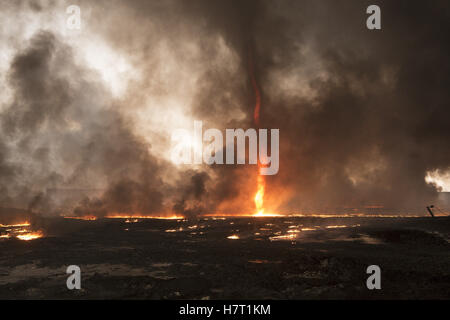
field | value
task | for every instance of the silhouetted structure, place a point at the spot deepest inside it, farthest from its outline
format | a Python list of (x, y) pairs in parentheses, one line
[(430, 211)]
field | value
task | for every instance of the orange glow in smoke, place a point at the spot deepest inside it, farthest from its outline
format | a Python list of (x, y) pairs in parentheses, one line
[(257, 107)]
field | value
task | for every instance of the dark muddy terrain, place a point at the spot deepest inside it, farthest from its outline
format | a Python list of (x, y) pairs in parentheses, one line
[(232, 258)]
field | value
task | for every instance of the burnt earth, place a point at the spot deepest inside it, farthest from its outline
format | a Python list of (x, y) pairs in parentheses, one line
[(273, 258)]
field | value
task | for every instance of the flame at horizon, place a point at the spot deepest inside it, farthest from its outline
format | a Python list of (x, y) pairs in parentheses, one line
[(30, 236), (21, 231)]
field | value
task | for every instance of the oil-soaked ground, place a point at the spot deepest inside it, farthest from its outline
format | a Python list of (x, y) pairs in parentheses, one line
[(239, 258)]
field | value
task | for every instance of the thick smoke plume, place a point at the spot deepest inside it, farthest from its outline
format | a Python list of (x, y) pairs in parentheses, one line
[(363, 115)]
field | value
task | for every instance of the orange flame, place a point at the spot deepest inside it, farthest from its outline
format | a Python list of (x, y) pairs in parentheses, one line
[(140, 216), (23, 224), (259, 197), (30, 236), (88, 218)]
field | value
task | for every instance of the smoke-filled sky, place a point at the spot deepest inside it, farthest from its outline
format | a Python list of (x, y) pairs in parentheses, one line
[(86, 115)]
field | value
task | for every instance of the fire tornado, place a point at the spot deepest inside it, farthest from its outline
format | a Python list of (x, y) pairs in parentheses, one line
[(259, 196)]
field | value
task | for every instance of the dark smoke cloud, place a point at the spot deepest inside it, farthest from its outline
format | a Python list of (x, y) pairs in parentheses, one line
[(59, 119), (362, 114), (378, 115), (375, 124)]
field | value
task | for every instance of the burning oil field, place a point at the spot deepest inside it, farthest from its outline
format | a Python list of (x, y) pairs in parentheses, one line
[(230, 258), (212, 149)]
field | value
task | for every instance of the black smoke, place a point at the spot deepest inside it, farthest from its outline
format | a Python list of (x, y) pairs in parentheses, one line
[(362, 114)]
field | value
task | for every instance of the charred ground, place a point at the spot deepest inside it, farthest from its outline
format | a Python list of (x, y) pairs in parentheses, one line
[(273, 258)]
